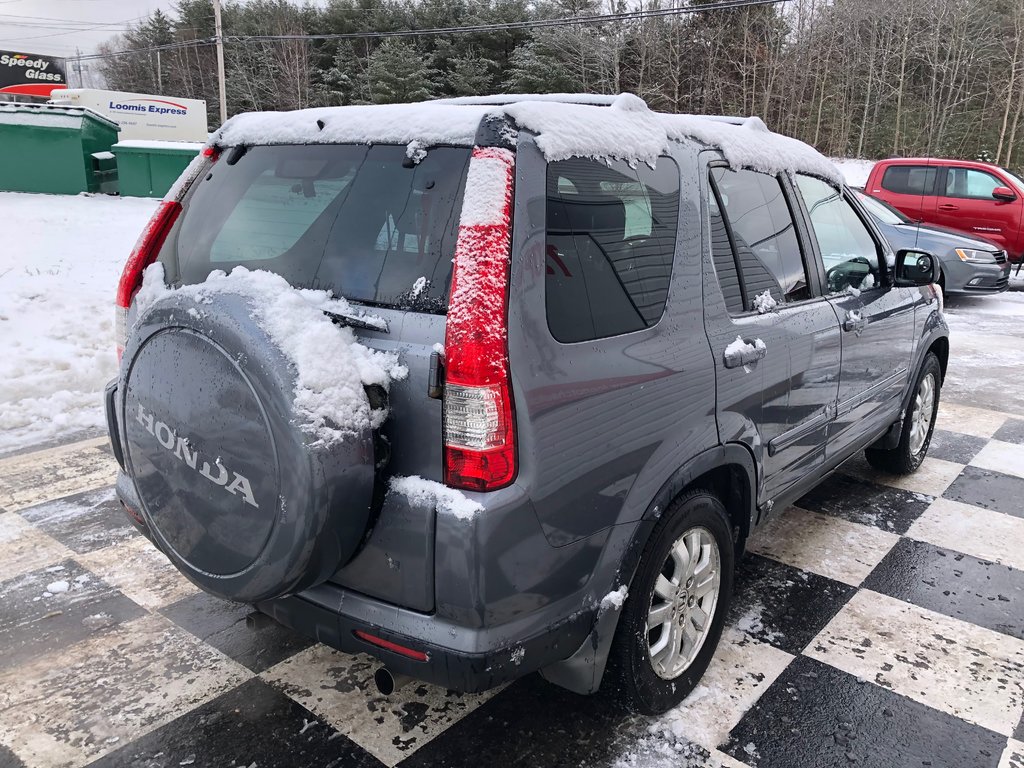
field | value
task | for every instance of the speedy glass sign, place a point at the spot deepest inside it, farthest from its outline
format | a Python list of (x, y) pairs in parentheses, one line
[(30, 74)]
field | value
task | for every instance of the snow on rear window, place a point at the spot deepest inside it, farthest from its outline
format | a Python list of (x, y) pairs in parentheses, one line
[(331, 366)]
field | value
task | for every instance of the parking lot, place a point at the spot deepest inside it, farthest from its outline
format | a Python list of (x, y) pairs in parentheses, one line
[(879, 622)]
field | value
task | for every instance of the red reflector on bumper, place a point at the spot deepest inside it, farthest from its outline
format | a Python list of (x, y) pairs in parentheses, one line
[(380, 642)]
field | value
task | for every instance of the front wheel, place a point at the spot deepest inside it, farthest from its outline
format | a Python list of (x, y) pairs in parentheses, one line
[(673, 617), (918, 424)]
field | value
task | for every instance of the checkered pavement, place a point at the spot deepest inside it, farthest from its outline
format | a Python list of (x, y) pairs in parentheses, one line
[(880, 622)]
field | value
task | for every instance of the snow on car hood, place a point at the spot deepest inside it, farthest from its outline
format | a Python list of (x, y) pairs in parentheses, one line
[(620, 127), (331, 366)]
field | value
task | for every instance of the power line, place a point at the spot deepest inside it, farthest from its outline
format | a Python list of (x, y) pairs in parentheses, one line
[(565, 21)]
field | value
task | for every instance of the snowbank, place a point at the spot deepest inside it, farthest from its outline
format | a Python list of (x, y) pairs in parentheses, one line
[(59, 268), (331, 366), (855, 171)]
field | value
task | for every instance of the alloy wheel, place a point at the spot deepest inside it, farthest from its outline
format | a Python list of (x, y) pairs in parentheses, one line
[(684, 601)]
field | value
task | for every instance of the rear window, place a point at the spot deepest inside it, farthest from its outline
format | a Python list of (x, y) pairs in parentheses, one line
[(910, 179), (361, 221)]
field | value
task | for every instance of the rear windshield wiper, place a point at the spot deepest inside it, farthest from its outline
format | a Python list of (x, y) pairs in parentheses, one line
[(366, 322)]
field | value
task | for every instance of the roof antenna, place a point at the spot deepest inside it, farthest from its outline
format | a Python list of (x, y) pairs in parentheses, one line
[(320, 124)]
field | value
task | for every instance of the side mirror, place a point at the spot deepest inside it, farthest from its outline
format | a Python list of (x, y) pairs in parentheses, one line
[(1004, 193), (914, 268)]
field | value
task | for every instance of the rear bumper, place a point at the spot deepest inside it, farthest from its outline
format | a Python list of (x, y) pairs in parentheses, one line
[(466, 659), (481, 661)]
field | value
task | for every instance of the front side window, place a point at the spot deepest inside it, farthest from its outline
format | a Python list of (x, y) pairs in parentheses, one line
[(611, 233), (910, 179), (763, 235), (846, 245), (970, 183)]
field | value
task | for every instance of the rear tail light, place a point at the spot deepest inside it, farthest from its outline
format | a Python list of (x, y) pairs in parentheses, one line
[(148, 246), (146, 249), (479, 422)]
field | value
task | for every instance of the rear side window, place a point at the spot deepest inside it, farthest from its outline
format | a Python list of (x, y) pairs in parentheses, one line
[(764, 239), (361, 221), (970, 183), (611, 233), (910, 179)]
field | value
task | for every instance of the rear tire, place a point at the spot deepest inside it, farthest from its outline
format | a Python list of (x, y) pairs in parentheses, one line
[(918, 424), (672, 619)]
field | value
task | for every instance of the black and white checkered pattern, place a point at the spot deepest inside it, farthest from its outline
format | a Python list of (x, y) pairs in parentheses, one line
[(879, 622)]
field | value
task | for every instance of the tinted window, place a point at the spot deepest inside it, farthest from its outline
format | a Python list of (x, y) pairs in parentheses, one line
[(610, 241), (352, 219), (763, 235), (967, 182), (725, 260), (910, 179), (847, 247)]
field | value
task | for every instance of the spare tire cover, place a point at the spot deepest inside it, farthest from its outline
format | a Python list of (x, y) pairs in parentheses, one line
[(243, 502)]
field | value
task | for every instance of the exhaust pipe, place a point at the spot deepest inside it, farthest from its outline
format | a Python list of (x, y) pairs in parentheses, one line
[(388, 682)]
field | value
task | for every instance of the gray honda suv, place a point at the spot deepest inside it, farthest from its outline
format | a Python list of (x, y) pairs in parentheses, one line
[(500, 385)]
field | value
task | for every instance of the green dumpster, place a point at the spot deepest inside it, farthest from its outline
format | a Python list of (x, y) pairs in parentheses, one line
[(45, 148), (149, 168)]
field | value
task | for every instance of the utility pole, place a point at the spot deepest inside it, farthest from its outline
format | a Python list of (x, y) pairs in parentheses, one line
[(220, 62), (159, 74)]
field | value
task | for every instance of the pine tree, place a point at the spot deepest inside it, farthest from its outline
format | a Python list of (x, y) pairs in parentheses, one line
[(398, 73), (346, 81)]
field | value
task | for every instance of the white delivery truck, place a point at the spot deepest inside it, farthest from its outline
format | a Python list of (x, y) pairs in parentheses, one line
[(142, 116)]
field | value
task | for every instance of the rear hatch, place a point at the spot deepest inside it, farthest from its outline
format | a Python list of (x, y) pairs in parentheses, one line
[(368, 223)]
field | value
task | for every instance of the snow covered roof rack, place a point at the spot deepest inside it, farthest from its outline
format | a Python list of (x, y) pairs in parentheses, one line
[(500, 99), (563, 126)]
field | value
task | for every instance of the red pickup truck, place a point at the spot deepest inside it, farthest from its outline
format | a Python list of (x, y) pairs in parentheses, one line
[(979, 199)]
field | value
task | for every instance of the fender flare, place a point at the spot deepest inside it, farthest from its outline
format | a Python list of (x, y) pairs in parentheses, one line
[(583, 671)]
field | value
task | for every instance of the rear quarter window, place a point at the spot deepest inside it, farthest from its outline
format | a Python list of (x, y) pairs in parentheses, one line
[(611, 234)]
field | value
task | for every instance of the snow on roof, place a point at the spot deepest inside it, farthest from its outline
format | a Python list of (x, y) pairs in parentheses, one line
[(381, 123), (596, 99), (565, 125), (48, 115)]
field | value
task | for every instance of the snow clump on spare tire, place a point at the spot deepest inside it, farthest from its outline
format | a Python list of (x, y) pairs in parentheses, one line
[(332, 369), (248, 430)]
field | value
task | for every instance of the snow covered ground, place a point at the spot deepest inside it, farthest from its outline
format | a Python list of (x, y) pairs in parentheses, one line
[(59, 266), (63, 257), (854, 170)]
